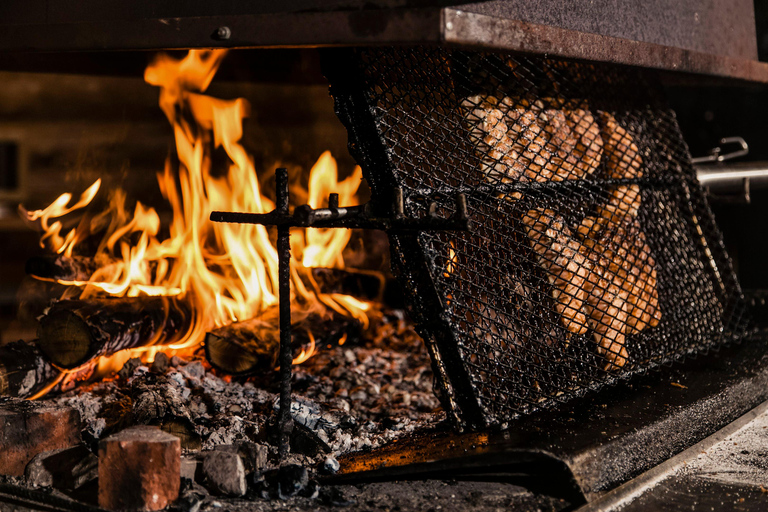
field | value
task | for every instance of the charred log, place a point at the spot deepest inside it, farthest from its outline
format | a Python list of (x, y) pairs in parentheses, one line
[(24, 370), (363, 284), (72, 332), (60, 267), (251, 346)]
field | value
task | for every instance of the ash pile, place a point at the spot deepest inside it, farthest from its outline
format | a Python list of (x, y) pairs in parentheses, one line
[(347, 398)]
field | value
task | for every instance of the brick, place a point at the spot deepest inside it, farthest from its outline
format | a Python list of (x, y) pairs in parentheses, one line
[(139, 469), (28, 428)]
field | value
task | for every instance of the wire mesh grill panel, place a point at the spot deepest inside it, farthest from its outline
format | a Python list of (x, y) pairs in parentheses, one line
[(593, 254)]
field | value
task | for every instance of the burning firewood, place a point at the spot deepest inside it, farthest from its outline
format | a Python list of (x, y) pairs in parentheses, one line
[(72, 332), (23, 370), (60, 267), (250, 346), (361, 284)]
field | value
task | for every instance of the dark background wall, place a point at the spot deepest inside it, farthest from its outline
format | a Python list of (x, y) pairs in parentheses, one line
[(706, 114)]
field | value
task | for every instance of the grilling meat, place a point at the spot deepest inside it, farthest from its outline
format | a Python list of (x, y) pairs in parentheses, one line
[(622, 156), (559, 253), (603, 277), (539, 141)]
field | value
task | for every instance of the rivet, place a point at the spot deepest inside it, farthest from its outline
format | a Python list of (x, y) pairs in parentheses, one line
[(223, 33)]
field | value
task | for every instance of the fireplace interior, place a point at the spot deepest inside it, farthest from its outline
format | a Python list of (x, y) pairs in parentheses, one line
[(507, 285)]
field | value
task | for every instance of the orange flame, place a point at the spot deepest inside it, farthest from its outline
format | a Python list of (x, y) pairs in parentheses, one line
[(228, 271)]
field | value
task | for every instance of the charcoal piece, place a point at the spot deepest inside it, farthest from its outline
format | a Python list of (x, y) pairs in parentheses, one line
[(253, 346), (307, 442), (67, 468), (72, 332), (190, 500), (161, 363), (24, 370), (285, 482), (129, 367), (223, 473)]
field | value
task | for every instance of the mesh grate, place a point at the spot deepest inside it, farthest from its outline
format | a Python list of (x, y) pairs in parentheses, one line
[(593, 254)]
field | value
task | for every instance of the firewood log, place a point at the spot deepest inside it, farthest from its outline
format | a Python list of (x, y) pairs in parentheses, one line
[(362, 284), (72, 332), (24, 370), (251, 346), (60, 267)]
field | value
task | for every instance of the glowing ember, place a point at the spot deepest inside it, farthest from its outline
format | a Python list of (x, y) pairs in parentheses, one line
[(227, 271)]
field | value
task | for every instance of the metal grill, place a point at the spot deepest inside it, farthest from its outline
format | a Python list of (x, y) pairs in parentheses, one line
[(593, 254)]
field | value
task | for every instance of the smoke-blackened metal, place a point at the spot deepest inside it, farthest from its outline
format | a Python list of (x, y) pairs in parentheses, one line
[(593, 254)]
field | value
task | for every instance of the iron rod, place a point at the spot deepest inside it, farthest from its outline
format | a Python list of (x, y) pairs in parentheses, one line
[(285, 421)]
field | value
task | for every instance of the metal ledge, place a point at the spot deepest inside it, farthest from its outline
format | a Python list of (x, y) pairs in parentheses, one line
[(380, 26), (479, 31), (596, 443)]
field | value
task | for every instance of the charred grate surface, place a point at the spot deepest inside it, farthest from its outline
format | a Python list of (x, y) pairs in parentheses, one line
[(593, 254)]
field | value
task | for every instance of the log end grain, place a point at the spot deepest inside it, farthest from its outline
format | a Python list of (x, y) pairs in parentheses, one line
[(65, 338)]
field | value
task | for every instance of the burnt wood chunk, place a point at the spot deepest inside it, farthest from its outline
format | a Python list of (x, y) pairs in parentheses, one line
[(24, 370), (363, 284), (139, 469), (251, 346), (67, 469), (60, 267), (72, 332), (29, 428)]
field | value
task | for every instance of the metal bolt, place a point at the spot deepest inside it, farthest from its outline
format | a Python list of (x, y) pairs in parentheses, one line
[(223, 33)]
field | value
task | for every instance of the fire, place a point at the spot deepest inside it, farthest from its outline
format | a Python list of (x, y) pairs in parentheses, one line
[(227, 271)]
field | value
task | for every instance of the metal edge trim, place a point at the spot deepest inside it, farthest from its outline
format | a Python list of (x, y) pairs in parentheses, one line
[(480, 31), (628, 492)]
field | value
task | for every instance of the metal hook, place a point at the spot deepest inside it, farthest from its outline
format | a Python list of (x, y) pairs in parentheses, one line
[(716, 154)]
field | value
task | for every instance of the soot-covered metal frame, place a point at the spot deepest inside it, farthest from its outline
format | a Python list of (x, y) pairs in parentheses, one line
[(482, 302), (707, 37)]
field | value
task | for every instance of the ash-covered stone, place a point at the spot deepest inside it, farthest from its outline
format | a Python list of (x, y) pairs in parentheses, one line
[(254, 455), (223, 473), (189, 467)]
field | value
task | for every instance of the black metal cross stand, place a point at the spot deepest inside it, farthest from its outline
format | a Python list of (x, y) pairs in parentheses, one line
[(362, 217)]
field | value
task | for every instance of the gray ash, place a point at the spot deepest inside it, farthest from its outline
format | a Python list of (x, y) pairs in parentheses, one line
[(353, 397)]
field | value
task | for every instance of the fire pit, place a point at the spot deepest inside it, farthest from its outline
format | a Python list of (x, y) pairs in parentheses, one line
[(548, 235)]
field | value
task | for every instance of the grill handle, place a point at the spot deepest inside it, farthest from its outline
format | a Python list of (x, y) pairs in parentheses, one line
[(733, 181)]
